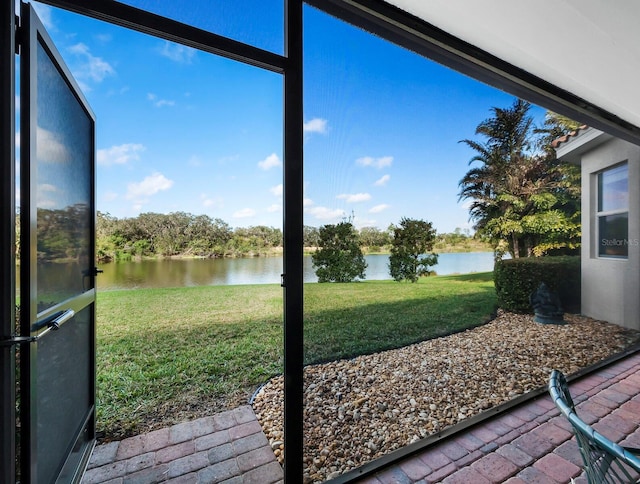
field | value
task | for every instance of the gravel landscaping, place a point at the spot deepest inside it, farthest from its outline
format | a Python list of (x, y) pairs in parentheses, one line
[(360, 409)]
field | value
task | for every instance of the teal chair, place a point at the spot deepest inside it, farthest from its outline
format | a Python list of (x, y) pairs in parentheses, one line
[(604, 460)]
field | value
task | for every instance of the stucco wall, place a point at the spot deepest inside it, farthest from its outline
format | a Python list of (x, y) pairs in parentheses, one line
[(611, 287)]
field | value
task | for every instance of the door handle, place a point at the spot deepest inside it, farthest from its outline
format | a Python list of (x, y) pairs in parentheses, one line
[(92, 272)]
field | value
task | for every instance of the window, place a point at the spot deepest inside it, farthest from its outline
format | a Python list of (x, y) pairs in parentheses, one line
[(613, 212)]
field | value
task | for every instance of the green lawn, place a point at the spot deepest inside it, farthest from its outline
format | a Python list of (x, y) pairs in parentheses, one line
[(170, 354)]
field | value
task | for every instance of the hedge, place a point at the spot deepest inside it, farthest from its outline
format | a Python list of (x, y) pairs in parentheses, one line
[(516, 279)]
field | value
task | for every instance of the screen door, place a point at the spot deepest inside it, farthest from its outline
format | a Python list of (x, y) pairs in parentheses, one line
[(57, 290)]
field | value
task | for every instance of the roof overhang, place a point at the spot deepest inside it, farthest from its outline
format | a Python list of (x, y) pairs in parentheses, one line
[(588, 47), (579, 143), (580, 58)]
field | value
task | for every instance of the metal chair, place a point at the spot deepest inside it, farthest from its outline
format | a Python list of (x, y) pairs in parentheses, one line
[(604, 460)]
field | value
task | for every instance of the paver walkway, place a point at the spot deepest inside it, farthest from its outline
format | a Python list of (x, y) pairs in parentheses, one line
[(228, 447), (531, 443)]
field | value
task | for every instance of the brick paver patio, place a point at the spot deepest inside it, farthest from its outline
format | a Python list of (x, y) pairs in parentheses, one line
[(531, 443), (227, 447)]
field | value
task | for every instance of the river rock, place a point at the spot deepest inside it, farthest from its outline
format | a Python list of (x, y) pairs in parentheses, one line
[(454, 377)]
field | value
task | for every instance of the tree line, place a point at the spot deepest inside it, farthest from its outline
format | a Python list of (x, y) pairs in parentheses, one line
[(62, 237), (179, 233), (185, 234)]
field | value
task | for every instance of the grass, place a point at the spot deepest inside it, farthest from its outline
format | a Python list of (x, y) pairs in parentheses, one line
[(166, 355), (346, 320)]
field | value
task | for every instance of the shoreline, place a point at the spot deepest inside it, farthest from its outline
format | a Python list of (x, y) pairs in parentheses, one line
[(275, 252)]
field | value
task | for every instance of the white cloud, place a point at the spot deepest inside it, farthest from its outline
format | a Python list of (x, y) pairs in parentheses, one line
[(49, 148), (120, 154), (93, 68), (315, 125), (354, 197), (270, 161), (360, 223), (379, 208), (159, 102), (177, 52), (47, 195), (104, 38), (209, 202), (149, 186), (276, 207), (277, 190), (375, 162), (382, 181), (47, 187), (117, 92), (324, 213), (46, 202), (244, 213), (307, 202)]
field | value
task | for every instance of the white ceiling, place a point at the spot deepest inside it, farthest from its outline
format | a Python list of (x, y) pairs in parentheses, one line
[(590, 48)]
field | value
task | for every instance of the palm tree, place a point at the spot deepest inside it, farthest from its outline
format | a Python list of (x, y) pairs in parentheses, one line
[(518, 192)]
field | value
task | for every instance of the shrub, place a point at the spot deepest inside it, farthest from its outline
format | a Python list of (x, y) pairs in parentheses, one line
[(339, 257), (516, 279), (409, 260)]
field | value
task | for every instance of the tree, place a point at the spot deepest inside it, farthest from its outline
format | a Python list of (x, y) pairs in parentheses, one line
[(411, 242), (310, 236), (373, 238), (106, 243), (151, 234), (339, 258), (207, 237), (255, 239), (522, 196)]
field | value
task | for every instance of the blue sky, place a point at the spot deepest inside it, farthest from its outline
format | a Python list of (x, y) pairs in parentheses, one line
[(181, 130)]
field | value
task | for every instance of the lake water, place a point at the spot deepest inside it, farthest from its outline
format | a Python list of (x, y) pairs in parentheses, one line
[(257, 270)]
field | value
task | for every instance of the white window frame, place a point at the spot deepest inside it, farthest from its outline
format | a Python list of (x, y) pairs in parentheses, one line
[(603, 213)]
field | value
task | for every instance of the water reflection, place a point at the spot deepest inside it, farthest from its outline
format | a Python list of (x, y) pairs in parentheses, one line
[(260, 270), (63, 194)]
